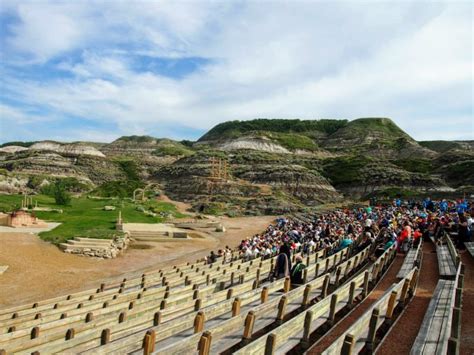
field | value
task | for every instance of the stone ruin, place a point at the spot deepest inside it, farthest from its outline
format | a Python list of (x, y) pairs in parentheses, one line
[(20, 218), (98, 248)]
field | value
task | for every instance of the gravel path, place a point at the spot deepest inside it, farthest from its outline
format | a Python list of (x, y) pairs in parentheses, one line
[(403, 334), (467, 316), (388, 279)]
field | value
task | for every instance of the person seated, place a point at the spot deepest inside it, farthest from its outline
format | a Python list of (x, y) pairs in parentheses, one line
[(296, 273)]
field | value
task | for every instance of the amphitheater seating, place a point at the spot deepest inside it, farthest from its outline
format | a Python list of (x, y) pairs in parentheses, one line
[(448, 259), (297, 331), (362, 334), (240, 329), (470, 248), (131, 305), (440, 330), (186, 327), (411, 260)]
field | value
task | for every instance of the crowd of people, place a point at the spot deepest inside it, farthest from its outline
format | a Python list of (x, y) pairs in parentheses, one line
[(402, 223)]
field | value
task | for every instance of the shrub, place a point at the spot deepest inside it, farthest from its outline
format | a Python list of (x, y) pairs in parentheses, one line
[(61, 196)]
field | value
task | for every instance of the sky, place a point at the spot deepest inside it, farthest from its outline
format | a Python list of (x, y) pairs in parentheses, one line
[(97, 70)]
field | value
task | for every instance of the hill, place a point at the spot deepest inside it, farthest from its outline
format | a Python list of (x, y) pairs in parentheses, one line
[(252, 167)]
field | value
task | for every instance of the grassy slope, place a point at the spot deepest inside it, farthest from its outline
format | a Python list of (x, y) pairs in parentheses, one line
[(86, 217), (235, 129)]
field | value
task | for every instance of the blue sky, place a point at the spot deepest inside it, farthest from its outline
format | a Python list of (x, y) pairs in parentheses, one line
[(96, 70)]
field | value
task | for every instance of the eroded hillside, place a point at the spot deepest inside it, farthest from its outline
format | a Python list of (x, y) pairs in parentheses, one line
[(257, 166)]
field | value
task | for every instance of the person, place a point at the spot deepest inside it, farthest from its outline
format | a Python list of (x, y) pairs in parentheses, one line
[(462, 232), (282, 265), (296, 273), (211, 258)]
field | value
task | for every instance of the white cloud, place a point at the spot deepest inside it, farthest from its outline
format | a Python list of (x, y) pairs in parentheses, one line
[(408, 61)]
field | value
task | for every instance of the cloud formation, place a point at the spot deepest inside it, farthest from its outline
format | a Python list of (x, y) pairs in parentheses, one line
[(97, 70)]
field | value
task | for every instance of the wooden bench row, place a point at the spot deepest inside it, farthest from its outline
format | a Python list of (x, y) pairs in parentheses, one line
[(441, 328), (235, 331), (411, 260), (141, 316), (297, 331), (361, 335), (448, 259)]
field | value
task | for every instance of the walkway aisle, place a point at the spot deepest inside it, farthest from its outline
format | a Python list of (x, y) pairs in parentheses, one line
[(403, 334), (388, 279), (467, 316)]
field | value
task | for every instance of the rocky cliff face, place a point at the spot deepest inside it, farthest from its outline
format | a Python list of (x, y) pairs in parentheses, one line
[(272, 166)]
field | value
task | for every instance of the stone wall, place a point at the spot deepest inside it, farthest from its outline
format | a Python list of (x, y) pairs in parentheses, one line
[(98, 248)]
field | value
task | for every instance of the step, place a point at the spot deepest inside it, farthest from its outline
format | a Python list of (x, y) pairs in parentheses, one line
[(93, 240)]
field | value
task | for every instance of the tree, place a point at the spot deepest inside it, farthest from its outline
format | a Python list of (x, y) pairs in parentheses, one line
[(61, 196)]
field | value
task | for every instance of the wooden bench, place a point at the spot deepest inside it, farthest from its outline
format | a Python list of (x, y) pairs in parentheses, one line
[(440, 330), (411, 260), (297, 331), (470, 248), (362, 333), (235, 330), (140, 317), (448, 259)]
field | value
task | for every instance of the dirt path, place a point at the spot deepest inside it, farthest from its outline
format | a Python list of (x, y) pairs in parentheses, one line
[(403, 334), (39, 270), (467, 316), (388, 279)]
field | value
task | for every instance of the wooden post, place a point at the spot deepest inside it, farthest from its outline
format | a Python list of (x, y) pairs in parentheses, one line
[(306, 296), (157, 318), (249, 323), (195, 294), (350, 300), (241, 278), (236, 307), (453, 346), (287, 285), (324, 289), (348, 345), (163, 304), (281, 309), (372, 329), (456, 324), (458, 298), (365, 288), (305, 276), (204, 345), (264, 295), (230, 292), (338, 275), (332, 309), (308, 319), (316, 270), (327, 265), (35, 332), (198, 304), (404, 293), (122, 317), (149, 342), (105, 336), (391, 305), (270, 344), (89, 317), (70, 334), (199, 322)]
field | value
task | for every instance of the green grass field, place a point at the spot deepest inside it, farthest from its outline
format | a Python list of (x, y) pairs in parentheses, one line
[(86, 217)]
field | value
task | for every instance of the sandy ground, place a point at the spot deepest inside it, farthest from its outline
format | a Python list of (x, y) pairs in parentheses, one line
[(39, 270)]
